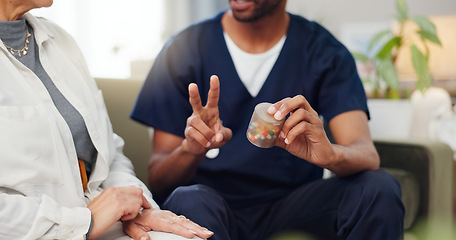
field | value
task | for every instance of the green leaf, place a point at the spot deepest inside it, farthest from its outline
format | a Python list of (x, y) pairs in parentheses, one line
[(402, 10), (377, 37), (420, 64), (392, 93), (429, 36), (387, 71), (425, 24), (406, 93), (360, 57), (385, 52), (367, 80)]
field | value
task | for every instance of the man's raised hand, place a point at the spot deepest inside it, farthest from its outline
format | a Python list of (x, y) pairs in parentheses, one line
[(204, 128)]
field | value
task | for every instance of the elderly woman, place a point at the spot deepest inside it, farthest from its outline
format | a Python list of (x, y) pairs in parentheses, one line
[(63, 174)]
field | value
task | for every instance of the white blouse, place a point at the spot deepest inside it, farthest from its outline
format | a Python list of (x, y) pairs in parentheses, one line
[(41, 194)]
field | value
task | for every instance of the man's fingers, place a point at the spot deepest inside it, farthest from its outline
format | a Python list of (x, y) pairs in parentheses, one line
[(300, 101), (198, 130), (194, 135), (299, 116), (212, 97), (289, 105), (276, 106), (194, 98), (299, 129), (214, 92), (224, 135)]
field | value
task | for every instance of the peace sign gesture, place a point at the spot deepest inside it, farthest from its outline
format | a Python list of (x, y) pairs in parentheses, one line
[(204, 128)]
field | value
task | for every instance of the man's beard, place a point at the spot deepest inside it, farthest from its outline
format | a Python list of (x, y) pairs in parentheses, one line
[(264, 9)]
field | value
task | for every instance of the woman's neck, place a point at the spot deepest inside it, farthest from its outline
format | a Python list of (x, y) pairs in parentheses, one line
[(10, 11)]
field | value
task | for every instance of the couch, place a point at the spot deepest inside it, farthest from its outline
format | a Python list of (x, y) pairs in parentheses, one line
[(423, 168), (120, 97)]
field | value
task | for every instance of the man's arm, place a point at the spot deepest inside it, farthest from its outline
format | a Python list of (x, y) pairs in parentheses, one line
[(170, 166), (357, 151)]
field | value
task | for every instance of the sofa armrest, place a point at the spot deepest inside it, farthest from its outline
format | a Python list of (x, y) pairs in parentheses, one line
[(430, 165), (120, 97)]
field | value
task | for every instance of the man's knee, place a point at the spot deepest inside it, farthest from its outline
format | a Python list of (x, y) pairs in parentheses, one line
[(191, 197), (379, 183), (204, 206), (379, 190), (372, 205)]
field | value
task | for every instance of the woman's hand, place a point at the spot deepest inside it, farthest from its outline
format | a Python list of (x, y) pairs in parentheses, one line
[(163, 221), (204, 128), (114, 204)]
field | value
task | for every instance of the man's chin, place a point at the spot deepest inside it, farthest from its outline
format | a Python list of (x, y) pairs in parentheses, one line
[(245, 18)]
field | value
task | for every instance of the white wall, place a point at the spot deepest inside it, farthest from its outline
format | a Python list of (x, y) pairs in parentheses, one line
[(181, 13), (113, 33), (334, 14), (341, 17)]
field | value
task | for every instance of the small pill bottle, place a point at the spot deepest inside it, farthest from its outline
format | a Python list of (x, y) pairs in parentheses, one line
[(263, 127)]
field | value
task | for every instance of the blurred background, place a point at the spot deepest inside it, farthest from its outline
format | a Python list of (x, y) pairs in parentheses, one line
[(121, 38)]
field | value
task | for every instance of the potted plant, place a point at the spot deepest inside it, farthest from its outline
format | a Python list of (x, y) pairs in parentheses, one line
[(379, 61), (418, 115)]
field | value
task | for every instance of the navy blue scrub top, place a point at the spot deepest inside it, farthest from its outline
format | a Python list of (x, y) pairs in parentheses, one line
[(312, 63)]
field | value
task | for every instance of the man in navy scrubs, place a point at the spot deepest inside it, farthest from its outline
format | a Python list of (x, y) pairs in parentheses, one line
[(204, 167)]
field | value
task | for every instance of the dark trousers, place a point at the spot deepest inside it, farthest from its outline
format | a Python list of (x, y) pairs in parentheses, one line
[(364, 206)]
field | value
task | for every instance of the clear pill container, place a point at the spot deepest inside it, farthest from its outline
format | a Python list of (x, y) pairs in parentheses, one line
[(263, 128)]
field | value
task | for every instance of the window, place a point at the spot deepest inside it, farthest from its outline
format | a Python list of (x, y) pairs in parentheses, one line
[(111, 33)]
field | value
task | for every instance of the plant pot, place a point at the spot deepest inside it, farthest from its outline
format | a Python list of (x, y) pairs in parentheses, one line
[(428, 109), (390, 118)]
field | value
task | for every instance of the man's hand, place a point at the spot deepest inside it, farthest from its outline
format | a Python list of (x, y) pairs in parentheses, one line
[(114, 204), (163, 221), (303, 134), (204, 128)]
